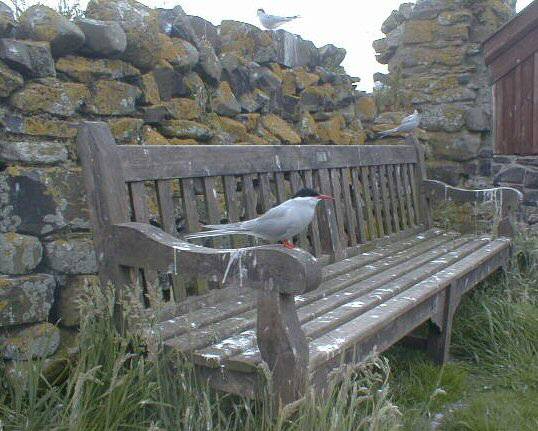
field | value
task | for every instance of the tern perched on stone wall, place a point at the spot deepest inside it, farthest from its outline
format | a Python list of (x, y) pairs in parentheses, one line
[(270, 22), (409, 124)]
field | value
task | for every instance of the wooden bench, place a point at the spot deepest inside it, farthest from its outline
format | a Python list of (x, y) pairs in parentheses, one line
[(374, 269)]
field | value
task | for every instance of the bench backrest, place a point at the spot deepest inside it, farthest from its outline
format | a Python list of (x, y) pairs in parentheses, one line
[(181, 187)]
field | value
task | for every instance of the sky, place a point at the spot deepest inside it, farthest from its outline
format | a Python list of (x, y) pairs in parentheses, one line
[(350, 24)]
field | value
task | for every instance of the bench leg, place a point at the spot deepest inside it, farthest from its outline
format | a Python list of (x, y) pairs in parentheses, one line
[(438, 342), (282, 345)]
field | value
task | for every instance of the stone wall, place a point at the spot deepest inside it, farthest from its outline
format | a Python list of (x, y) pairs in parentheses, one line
[(157, 77), (433, 52)]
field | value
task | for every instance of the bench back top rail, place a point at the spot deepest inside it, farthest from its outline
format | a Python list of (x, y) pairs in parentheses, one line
[(179, 188)]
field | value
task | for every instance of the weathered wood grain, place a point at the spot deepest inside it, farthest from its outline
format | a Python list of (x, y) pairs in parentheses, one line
[(184, 161)]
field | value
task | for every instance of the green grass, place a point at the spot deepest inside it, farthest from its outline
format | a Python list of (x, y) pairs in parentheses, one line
[(492, 381), (114, 383)]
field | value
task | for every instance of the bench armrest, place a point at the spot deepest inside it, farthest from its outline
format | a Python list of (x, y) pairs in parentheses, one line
[(142, 245), (507, 199)]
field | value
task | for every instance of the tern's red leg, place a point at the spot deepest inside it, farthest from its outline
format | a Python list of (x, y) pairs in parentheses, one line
[(288, 244)]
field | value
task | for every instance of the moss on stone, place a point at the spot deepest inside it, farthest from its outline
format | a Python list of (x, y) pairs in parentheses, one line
[(289, 85), (250, 120), (184, 109), (151, 137), (51, 96), (366, 108), (176, 141), (86, 70), (126, 130), (420, 31), (10, 80), (304, 78), (112, 98), (185, 129), (149, 88), (281, 129), (233, 127), (38, 126)]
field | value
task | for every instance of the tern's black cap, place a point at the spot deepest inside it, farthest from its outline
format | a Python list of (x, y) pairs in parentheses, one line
[(304, 193)]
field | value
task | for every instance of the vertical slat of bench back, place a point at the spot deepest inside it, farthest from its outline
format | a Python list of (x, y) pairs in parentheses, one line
[(107, 198), (313, 230), (165, 199), (424, 213)]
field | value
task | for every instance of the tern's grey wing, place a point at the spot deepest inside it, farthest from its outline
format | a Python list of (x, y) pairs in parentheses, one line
[(273, 224), (409, 123)]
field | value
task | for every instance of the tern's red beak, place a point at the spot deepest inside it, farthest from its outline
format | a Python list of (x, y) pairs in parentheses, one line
[(325, 198)]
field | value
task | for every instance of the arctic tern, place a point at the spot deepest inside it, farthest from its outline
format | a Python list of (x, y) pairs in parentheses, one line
[(408, 124), (280, 223), (270, 22)]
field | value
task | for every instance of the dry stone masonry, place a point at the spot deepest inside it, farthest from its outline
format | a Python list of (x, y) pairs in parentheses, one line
[(158, 77), (433, 52)]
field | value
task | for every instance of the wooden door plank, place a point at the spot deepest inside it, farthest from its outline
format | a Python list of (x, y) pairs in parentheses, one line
[(534, 136)]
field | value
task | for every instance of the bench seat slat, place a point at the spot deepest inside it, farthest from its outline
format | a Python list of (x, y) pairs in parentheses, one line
[(380, 312), (334, 310), (331, 294), (207, 314), (369, 323)]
